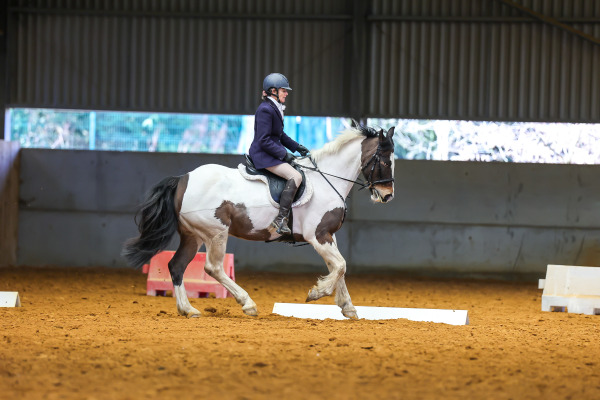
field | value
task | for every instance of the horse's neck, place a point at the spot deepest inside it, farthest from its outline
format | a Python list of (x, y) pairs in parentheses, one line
[(345, 164)]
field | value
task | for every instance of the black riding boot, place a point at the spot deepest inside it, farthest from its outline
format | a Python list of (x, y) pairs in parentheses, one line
[(280, 223)]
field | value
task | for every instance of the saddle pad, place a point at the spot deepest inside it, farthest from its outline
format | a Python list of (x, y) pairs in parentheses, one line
[(302, 199)]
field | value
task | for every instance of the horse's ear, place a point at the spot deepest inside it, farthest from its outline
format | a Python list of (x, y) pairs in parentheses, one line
[(354, 124), (381, 138), (390, 132)]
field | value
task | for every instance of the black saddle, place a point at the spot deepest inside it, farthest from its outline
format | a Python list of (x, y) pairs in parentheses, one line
[(276, 183)]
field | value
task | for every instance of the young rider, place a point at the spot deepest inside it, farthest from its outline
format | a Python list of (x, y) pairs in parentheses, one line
[(268, 149)]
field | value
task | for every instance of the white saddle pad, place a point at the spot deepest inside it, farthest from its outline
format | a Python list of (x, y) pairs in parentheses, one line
[(306, 196)]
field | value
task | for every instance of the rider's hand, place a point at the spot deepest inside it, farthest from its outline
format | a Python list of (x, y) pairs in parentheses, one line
[(302, 150), (289, 157)]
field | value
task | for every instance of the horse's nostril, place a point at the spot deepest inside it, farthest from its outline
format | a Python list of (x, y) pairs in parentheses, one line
[(388, 197)]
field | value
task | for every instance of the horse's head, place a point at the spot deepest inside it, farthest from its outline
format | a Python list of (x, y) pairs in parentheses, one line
[(377, 165)]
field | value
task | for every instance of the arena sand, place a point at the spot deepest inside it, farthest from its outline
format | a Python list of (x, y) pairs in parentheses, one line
[(94, 334)]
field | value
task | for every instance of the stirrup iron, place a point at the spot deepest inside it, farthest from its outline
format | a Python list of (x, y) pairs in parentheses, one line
[(281, 226)]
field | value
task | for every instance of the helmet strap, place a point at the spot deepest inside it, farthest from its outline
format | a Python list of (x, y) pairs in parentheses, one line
[(276, 94)]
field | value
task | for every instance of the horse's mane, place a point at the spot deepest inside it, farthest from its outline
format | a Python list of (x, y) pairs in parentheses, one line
[(342, 139)]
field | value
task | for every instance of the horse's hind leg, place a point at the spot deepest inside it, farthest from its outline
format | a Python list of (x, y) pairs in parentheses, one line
[(188, 247), (215, 249), (335, 280)]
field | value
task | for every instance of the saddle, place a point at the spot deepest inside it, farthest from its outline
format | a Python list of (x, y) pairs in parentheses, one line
[(275, 183)]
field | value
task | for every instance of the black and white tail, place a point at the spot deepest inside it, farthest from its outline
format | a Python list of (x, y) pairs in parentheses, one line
[(157, 223)]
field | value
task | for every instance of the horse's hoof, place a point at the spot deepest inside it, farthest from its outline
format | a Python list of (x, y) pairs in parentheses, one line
[(313, 294), (188, 313), (251, 311), (350, 313), (193, 313)]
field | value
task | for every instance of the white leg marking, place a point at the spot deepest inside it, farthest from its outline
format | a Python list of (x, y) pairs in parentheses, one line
[(335, 280), (343, 300), (215, 249), (183, 304), (336, 266)]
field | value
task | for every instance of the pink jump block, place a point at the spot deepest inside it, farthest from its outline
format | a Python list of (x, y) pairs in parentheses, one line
[(197, 282)]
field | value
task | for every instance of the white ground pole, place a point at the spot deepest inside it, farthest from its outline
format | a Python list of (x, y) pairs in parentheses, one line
[(324, 311), (571, 288), (10, 299)]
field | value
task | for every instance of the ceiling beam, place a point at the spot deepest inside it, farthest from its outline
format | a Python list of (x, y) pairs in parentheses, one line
[(551, 21)]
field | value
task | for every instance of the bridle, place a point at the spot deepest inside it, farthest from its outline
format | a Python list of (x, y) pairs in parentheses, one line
[(376, 161), (368, 183)]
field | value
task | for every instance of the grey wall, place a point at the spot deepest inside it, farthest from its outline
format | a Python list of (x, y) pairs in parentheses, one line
[(9, 201), (447, 217), (3, 62), (483, 217), (482, 60)]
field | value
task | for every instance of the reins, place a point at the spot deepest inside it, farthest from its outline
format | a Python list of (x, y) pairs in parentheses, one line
[(363, 185), (316, 169), (375, 158)]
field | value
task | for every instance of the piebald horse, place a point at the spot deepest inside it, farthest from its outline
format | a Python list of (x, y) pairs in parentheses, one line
[(212, 202)]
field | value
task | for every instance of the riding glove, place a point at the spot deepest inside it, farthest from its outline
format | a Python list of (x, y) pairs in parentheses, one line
[(302, 150), (289, 157)]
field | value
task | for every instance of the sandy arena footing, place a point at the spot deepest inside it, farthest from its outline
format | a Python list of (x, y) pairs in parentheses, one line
[(94, 334)]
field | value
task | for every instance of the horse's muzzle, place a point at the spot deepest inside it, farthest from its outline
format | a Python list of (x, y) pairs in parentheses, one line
[(382, 195)]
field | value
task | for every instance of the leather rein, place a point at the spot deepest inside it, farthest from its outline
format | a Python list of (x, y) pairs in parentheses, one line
[(369, 183)]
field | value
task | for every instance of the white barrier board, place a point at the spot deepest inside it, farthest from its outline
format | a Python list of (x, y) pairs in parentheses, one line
[(10, 299), (324, 311), (572, 289)]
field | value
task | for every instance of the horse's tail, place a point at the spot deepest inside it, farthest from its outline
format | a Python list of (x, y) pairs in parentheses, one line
[(157, 224)]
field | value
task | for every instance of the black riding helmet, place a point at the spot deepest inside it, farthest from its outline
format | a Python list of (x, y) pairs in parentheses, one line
[(277, 81)]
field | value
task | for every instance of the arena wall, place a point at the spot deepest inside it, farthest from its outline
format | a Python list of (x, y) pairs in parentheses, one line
[(453, 218), (9, 201)]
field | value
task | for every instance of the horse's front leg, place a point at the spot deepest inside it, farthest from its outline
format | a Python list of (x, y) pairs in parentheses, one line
[(215, 254), (327, 248), (342, 299)]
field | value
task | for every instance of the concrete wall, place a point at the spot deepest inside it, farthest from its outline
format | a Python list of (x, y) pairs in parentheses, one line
[(447, 217), (9, 201), (483, 217)]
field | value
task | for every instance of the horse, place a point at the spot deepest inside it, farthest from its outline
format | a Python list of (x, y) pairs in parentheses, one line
[(213, 202)]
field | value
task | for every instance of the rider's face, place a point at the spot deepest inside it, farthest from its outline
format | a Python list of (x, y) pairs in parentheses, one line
[(282, 95)]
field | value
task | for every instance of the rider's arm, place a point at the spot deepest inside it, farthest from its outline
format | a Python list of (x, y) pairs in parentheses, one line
[(289, 142)]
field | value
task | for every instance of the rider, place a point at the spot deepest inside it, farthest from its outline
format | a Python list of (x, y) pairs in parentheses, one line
[(267, 149)]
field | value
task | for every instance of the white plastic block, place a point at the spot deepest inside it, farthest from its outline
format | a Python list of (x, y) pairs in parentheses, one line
[(10, 299), (572, 289), (323, 311), (541, 283)]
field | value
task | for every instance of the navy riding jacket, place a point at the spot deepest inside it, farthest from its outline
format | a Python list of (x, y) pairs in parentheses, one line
[(267, 149)]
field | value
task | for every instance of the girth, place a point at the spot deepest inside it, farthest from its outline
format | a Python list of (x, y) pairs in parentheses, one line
[(276, 183)]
